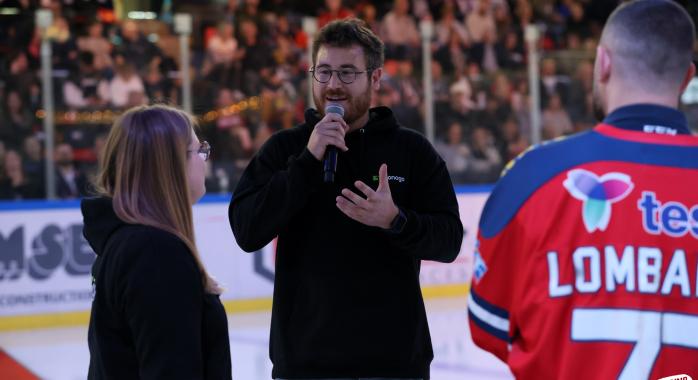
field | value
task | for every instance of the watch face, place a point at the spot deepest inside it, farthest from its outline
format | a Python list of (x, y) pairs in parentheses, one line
[(398, 223)]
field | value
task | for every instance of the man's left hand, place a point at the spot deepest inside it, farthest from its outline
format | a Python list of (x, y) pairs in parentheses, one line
[(377, 209)]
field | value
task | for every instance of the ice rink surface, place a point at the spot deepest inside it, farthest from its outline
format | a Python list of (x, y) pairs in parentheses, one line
[(62, 354)]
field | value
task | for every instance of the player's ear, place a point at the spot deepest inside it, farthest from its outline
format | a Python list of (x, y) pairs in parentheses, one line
[(603, 64), (690, 73)]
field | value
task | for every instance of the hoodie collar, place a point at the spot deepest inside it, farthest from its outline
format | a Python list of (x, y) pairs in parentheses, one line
[(100, 222)]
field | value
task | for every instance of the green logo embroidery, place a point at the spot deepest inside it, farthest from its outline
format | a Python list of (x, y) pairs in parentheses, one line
[(393, 178)]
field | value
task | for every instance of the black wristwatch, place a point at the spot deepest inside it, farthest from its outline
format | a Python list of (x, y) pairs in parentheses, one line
[(398, 223)]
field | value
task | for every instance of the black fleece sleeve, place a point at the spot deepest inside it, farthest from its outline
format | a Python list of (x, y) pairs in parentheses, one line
[(273, 188), (162, 299), (433, 230)]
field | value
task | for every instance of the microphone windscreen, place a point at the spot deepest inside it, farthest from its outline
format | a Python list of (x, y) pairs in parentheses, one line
[(334, 108)]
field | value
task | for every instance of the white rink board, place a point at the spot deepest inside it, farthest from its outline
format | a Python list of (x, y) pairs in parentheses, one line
[(45, 262)]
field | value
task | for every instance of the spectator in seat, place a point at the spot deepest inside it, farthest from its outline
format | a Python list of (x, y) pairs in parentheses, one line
[(555, 120), (453, 55), (249, 11), (481, 21), (580, 90), (552, 83), (369, 15), (119, 91), (441, 85), (64, 48), (455, 153), (512, 53), (223, 55), (485, 162), (487, 53), (95, 43), (135, 48), (333, 11), (257, 59), (15, 184), (399, 30), (232, 134), (70, 182), (460, 109), (447, 25), (407, 108), (515, 142), (222, 48), (33, 158), (17, 121), (18, 75), (80, 89)]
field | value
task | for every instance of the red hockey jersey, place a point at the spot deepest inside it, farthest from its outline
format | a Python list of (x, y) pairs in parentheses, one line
[(587, 259)]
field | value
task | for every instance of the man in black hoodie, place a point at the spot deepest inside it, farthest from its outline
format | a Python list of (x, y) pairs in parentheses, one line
[(347, 301)]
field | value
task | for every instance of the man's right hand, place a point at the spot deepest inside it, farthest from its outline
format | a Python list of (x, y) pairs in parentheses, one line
[(328, 131)]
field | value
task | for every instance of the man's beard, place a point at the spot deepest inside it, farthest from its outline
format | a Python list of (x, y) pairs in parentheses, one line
[(357, 107)]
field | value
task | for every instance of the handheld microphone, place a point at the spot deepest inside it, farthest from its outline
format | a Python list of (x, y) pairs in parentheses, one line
[(330, 162)]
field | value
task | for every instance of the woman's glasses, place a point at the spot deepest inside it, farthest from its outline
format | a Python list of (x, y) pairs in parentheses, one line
[(204, 150)]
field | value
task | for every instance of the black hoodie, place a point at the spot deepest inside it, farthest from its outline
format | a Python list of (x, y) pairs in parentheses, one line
[(151, 318), (347, 301)]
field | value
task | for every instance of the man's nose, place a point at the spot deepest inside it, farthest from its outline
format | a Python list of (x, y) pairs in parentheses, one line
[(334, 82)]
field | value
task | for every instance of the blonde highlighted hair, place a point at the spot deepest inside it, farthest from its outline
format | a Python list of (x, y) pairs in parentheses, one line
[(143, 170)]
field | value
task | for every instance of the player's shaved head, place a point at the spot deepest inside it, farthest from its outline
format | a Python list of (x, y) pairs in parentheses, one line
[(651, 43)]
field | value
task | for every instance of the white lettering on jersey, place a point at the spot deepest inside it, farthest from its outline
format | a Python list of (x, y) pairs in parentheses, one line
[(594, 283), (554, 287), (659, 129), (647, 332), (649, 268), (677, 274), (618, 272), (643, 275)]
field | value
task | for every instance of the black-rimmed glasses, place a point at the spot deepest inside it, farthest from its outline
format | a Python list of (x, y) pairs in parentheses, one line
[(347, 76), (204, 150)]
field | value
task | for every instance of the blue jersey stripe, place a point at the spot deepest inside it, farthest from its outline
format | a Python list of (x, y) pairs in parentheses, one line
[(487, 327), (496, 310), (540, 165)]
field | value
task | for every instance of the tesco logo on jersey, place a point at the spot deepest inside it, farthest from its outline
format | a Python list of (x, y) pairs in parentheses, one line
[(671, 218)]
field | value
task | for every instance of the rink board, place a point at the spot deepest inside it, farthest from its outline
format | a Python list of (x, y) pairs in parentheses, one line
[(45, 262)]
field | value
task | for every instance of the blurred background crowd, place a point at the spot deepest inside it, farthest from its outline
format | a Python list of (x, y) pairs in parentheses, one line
[(250, 77)]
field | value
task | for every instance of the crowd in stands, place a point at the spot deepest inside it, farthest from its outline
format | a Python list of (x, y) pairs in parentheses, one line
[(250, 78)]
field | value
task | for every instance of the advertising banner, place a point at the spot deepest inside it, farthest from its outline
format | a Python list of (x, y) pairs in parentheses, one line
[(45, 262)]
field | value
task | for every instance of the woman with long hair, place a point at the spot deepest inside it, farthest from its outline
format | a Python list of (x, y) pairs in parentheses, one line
[(156, 312)]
